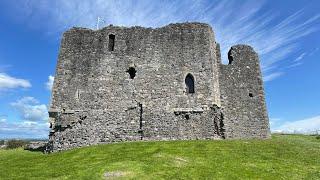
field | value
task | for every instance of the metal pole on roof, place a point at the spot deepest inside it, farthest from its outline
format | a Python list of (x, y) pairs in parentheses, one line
[(98, 21)]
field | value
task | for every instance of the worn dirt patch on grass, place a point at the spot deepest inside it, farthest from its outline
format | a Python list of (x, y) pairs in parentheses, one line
[(115, 174)]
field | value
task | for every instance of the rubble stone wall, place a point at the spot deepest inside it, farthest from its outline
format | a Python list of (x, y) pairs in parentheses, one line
[(242, 95), (128, 84), (95, 99)]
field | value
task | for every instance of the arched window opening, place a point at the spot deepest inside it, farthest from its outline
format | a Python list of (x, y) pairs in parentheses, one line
[(132, 72), (111, 42), (189, 83)]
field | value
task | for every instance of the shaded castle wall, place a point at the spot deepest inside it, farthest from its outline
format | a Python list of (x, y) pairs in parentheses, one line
[(242, 95), (94, 100)]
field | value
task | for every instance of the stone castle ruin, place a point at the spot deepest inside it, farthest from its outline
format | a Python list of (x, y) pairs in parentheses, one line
[(132, 84)]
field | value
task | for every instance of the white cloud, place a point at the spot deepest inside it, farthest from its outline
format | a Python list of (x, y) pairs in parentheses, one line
[(295, 65), (275, 38), (298, 60), (3, 120), (31, 110), (274, 121), (301, 56), (33, 122), (23, 129), (304, 126), (9, 82), (49, 83), (272, 76)]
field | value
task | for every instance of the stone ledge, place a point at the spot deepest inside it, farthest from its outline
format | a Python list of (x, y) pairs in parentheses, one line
[(188, 110)]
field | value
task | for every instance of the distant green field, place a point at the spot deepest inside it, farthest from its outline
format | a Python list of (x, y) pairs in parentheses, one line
[(282, 157)]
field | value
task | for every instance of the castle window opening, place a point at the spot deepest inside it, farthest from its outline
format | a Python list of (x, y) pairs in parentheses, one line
[(78, 94), (141, 123), (189, 83), (132, 72), (111, 42), (250, 94)]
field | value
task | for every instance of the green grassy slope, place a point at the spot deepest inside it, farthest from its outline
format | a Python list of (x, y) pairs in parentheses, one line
[(282, 157)]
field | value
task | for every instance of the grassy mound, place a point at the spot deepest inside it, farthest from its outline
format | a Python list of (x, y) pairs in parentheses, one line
[(282, 157)]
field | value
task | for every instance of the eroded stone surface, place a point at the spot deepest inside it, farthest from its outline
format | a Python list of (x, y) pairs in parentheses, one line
[(132, 86)]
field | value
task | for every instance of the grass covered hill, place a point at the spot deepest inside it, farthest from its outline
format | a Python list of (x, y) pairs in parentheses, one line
[(281, 157)]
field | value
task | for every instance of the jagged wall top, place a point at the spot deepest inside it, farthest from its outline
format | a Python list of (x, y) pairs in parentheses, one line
[(96, 99)]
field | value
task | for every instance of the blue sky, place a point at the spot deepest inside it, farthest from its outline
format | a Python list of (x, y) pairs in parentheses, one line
[(284, 33)]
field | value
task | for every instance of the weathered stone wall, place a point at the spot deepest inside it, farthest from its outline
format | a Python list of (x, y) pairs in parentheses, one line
[(94, 100), (242, 95)]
